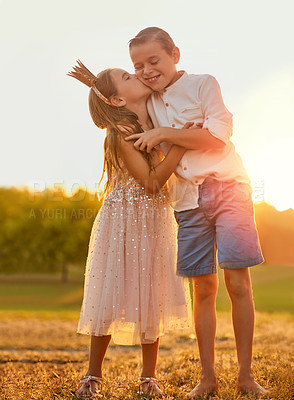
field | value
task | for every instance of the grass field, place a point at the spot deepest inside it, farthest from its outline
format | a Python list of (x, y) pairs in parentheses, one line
[(272, 286), (41, 356), (44, 359)]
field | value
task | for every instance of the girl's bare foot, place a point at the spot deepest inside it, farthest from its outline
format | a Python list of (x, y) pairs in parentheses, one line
[(205, 386), (90, 386), (247, 384)]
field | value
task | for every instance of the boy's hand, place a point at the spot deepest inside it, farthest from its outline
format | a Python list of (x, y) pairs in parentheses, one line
[(149, 139)]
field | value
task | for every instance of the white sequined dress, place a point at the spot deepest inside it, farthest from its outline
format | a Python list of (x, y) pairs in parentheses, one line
[(131, 290)]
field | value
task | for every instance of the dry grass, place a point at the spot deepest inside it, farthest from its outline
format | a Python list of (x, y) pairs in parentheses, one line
[(43, 358)]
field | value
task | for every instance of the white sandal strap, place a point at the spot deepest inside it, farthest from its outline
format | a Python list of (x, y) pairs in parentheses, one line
[(148, 380), (151, 382), (152, 386), (89, 379)]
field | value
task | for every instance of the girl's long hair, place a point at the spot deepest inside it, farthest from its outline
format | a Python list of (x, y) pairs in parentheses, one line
[(109, 117)]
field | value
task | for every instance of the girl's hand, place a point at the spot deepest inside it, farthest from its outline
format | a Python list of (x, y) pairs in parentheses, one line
[(149, 139), (146, 140), (190, 124)]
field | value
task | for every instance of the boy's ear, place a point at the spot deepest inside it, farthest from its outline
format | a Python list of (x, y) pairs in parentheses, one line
[(118, 101), (176, 55)]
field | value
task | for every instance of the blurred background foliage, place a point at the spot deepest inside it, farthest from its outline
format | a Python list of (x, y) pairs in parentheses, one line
[(44, 239), (47, 232)]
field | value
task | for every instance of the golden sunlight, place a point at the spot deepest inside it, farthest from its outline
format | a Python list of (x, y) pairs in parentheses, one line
[(264, 137), (275, 166)]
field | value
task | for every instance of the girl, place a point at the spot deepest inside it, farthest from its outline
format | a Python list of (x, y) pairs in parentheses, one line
[(131, 290)]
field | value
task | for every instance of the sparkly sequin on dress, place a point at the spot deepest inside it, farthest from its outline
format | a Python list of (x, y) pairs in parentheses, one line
[(131, 290)]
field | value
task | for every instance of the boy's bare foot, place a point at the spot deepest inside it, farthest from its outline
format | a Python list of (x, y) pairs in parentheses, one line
[(90, 387), (205, 386), (247, 384)]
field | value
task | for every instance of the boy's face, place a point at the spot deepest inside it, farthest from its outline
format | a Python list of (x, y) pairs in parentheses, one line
[(154, 66)]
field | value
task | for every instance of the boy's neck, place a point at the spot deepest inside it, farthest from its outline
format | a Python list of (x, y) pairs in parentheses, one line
[(176, 77)]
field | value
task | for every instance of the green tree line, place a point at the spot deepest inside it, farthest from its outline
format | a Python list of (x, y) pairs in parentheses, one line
[(45, 232)]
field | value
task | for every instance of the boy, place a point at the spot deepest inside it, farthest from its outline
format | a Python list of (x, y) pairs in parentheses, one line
[(211, 195)]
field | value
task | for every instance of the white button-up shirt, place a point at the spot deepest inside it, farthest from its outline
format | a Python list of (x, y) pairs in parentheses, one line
[(197, 98)]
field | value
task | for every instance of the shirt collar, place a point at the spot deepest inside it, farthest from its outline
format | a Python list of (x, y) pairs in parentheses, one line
[(177, 83)]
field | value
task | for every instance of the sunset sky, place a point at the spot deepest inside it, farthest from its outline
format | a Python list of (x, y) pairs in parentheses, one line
[(46, 129)]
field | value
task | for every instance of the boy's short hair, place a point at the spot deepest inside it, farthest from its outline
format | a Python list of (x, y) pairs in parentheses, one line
[(156, 34)]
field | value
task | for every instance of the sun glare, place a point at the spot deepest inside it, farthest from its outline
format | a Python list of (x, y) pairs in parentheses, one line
[(275, 169), (264, 136)]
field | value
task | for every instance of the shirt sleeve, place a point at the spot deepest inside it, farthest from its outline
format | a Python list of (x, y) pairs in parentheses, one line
[(217, 119)]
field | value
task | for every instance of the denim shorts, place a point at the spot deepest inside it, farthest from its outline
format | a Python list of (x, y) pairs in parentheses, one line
[(223, 224)]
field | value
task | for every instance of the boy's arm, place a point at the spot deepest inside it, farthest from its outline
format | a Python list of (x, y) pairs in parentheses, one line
[(193, 138), (217, 125)]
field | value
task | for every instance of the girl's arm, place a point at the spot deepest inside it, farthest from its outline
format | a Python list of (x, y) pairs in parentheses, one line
[(194, 138), (152, 180)]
